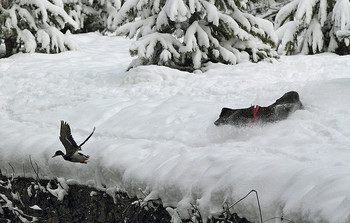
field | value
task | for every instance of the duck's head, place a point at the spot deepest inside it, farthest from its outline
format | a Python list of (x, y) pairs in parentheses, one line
[(58, 153)]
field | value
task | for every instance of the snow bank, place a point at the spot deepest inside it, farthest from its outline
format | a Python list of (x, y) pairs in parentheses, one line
[(155, 132)]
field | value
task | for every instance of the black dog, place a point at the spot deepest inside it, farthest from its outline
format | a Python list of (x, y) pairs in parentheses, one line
[(279, 110)]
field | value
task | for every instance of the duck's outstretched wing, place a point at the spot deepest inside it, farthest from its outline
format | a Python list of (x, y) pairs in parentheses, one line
[(87, 138), (67, 139)]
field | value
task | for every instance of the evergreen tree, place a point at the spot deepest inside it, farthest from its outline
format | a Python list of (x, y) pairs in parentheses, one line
[(185, 34), (313, 26), (93, 15), (34, 25)]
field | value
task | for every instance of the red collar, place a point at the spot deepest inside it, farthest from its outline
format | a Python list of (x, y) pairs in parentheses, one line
[(254, 113)]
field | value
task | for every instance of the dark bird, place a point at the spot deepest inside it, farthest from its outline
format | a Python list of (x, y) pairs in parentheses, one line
[(71, 146)]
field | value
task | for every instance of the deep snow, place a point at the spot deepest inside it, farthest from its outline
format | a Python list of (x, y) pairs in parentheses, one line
[(155, 131)]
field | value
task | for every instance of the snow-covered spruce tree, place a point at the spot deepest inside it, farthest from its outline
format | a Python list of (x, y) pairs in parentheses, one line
[(185, 34), (93, 15), (34, 25), (266, 9), (314, 26)]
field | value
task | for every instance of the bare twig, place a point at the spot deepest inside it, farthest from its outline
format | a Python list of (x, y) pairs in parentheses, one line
[(142, 193), (198, 216), (24, 172), (31, 163), (257, 198), (13, 170), (37, 168)]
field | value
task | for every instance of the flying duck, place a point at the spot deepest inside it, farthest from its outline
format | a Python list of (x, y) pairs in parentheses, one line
[(71, 146)]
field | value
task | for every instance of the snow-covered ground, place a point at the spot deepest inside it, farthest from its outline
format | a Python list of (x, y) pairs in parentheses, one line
[(155, 131)]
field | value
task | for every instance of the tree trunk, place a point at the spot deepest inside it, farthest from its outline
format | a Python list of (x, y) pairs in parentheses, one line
[(10, 44)]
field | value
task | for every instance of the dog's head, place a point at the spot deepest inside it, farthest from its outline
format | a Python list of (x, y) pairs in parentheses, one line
[(224, 116), (286, 105), (235, 116), (291, 97)]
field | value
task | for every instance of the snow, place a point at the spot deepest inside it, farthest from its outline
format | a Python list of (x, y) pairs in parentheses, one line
[(285, 12), (322, 15), (146, 45), (232, 24), (46, 5), (313, 38), (36, 207), (29, 40), (128, 5), (286, 34), (341, 13), (176, 10), (305, 10), (212, 12), (155, 133), (193, 33), (61, 190)]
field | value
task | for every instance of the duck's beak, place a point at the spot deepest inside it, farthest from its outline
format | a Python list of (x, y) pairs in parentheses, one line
[(54, 155)]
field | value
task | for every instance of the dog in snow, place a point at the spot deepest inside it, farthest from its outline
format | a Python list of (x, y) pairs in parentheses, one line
[(279, 110)]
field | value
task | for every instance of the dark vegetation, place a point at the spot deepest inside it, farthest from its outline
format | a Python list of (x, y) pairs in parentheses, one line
[(27, 199), (81, 204)]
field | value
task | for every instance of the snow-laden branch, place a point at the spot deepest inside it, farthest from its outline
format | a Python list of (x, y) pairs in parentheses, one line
[(45, 6), (146, 46), (286, 13), (176, 10), (130, 29), (313, 38), (341, 14), (305, 10)]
